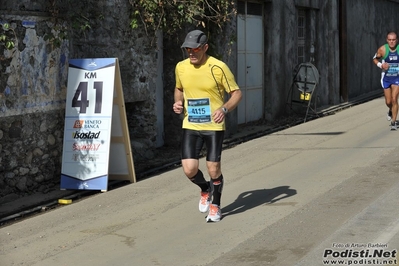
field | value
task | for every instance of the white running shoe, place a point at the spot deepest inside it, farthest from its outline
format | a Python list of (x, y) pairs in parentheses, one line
[(204, 202), (215, 214), (389, 115), (394, 126)]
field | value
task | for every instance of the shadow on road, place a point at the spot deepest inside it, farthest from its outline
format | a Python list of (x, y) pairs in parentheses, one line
[(250, 199)]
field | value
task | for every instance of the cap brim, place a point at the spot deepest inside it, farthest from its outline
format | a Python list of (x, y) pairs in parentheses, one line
[(190, 45)]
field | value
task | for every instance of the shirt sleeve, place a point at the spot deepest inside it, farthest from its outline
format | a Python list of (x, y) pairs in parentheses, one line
[(228, 80), (177, 77)]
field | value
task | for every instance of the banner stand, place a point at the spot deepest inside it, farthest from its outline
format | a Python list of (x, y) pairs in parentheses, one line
[(120, 169), (96, 134)]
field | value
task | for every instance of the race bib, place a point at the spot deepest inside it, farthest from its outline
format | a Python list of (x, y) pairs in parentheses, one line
[(199, 110), (393, 70)]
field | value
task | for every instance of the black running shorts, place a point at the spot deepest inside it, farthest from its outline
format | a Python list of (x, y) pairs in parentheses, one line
[(193, 140)]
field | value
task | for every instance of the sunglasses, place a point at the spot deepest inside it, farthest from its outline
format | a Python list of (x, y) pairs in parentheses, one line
[(194, 50)]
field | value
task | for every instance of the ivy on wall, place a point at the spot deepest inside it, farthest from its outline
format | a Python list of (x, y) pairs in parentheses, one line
[(7, 36), (170, 16)]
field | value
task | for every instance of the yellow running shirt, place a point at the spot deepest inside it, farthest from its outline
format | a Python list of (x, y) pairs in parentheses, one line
[(203, 90)]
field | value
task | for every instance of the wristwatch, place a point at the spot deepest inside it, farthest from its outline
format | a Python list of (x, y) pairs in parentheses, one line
[(225, 111)]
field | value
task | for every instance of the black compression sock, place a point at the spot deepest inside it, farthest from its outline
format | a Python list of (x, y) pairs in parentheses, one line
[(200, 181), (217, 187)]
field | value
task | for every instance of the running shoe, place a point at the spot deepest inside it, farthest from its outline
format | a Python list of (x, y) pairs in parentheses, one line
[(389, 115), (204, 202), (394, 126), (215, 213)]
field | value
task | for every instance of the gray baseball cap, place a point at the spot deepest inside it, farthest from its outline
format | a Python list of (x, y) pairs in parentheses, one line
[(194, 39)]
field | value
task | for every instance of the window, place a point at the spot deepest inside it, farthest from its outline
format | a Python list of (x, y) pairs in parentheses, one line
[(252, 8), (241, 7)]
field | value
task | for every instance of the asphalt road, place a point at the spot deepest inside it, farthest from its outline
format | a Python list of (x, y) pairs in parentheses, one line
[(319, 192)]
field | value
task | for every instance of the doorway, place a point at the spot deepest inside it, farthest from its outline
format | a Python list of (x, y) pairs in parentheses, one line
[(250, 60)]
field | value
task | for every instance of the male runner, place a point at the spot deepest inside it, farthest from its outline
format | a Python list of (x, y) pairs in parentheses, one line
[(389, 56), (201, 83)]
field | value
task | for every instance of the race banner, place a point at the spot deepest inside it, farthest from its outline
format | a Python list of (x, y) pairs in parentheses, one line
[(88, 125)]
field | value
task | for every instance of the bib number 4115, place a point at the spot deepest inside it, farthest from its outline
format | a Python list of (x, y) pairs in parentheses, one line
[(83, 103)]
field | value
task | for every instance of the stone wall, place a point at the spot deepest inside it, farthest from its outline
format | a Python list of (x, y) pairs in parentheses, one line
[(32, 95), (30, 149), (33, 83), (32, 99)]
